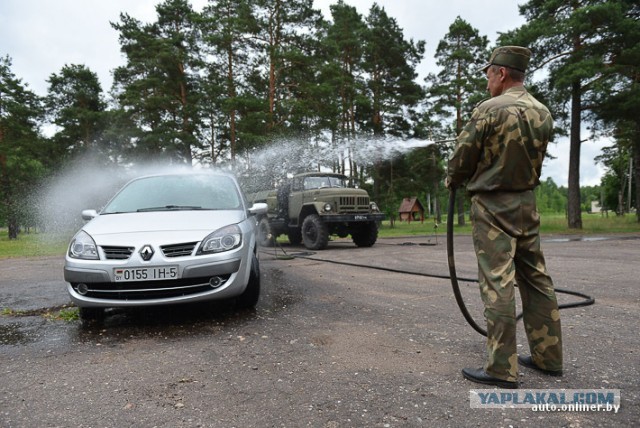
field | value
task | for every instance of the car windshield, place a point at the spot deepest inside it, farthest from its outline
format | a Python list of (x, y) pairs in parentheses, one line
[(323, 181), (176, 192)]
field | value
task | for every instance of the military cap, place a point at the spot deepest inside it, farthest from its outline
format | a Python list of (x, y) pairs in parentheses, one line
[(515, 57)]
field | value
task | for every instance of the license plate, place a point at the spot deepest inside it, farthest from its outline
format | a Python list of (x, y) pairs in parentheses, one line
[(145, 273)]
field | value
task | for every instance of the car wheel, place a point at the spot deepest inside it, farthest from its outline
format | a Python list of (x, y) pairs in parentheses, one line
[(315, 233), (295, 236), (249, 298), (265, 238), (91, 314), (365, 235)]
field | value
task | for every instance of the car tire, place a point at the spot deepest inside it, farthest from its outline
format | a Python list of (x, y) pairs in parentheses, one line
[(365, 235), (315, 233), (91, 314), (265, 237), (249, 297)]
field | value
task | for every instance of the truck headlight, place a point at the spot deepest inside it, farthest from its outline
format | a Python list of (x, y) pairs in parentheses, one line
[(374, 207), (225, 239), (327, 207)]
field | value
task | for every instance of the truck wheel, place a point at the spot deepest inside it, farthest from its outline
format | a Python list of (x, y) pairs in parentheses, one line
[(265, 238), (249, 298), (295, 236), (365, 235), (315, 233)]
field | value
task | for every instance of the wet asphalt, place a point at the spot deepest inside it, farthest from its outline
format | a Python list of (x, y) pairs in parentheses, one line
[(343, 337)]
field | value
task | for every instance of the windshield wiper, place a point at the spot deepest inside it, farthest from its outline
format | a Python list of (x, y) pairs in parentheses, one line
[(115, 212), (171, 208)]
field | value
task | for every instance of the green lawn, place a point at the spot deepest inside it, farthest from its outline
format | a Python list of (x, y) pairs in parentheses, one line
[(42, 244), (32, 245), (549, 224)]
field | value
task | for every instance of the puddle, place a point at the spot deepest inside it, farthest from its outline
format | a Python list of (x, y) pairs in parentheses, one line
[(576, 239), (158, 322), (13, 334)]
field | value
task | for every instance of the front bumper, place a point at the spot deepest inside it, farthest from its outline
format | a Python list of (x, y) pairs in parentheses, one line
[(352, 218), (212, 280)]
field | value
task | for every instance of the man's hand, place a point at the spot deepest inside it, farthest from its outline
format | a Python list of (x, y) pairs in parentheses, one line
[(447, 183)]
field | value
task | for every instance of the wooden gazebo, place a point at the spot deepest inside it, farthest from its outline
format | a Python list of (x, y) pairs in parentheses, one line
[(410, 210)]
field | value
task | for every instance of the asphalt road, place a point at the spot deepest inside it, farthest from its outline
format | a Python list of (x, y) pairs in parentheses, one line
[(329, 345)]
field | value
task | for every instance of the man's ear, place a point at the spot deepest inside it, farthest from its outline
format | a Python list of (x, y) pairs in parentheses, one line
[(503, 74)]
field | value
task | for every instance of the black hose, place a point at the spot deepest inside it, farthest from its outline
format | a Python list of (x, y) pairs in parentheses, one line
[(588, 300), (452, 267), (453, 277)]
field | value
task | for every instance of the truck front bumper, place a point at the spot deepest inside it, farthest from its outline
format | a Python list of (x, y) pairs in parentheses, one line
[(352, 218)]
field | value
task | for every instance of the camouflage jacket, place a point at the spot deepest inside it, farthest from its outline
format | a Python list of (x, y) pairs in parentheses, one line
[(503, 145)]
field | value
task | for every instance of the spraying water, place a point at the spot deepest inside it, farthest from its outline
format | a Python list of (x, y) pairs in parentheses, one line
[(263, 168), (90, 183)]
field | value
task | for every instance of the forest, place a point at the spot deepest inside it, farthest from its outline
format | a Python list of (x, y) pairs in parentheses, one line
[(266, 88)]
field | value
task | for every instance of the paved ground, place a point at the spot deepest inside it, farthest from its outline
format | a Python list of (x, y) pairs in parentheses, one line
[(329, 345)]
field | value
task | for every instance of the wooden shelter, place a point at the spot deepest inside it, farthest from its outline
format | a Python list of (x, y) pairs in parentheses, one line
[(410, 210)]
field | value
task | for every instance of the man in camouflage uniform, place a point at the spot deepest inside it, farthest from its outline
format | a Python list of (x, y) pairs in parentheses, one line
[(500, 153)]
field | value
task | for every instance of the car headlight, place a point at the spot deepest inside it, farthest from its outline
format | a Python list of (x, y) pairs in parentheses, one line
[(83, 247), (374, 207), (327, 207), (225, 239)]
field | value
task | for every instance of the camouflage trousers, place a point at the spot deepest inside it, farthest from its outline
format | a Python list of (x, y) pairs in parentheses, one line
[(507, 243)]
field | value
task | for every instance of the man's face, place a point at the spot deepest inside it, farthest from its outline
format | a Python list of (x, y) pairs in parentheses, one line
[(495, 79)]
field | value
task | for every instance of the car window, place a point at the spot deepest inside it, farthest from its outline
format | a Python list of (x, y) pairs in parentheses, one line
[(177, 192)]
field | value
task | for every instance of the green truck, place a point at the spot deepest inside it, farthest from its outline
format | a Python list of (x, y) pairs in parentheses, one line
[(310, 207)]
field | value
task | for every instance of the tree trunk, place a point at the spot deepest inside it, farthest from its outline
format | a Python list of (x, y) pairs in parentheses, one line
[(636, 171), (573, 205), (232, 114)]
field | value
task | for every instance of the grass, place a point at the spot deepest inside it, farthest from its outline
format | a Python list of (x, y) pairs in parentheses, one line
[(42, 244), (32, 245), (549, 224), (61, 313)]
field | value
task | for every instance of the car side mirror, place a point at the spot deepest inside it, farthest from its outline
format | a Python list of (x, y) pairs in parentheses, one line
[(89, 214), (258, 208)]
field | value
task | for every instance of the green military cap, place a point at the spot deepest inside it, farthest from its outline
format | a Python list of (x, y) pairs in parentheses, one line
[(515, 57)]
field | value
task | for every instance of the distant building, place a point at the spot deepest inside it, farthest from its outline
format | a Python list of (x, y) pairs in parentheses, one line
[(595, 207), (410, 210)]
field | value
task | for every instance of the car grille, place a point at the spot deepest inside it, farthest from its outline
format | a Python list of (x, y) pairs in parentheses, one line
[(117, 253), (151, 290), (178, 250), (355, 204)]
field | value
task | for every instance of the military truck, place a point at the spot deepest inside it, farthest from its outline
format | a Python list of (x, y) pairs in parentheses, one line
[(310, 207)]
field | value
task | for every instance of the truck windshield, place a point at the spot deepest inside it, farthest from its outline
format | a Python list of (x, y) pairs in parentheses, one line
[(323, 181)]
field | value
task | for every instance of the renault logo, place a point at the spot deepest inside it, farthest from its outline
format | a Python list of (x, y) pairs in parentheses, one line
[(146, 252)]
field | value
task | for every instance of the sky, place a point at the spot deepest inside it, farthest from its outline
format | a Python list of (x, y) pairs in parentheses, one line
[(42, 36)]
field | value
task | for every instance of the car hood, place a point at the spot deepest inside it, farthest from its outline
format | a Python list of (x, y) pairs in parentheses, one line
[(170, 226)]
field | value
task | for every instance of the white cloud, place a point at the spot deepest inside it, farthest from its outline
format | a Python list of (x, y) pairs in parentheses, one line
[(558, 168)]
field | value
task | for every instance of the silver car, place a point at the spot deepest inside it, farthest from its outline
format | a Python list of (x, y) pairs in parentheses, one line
[(166, 239)]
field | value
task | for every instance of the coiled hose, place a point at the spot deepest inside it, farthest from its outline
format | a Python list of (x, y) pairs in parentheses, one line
[(588, 300)]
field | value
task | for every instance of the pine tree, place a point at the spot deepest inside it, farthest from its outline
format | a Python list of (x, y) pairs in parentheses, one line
[(227, 26), (22, 160), (575, 41), (456, 89), (160, 83), (390, 62), (76, 105)]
